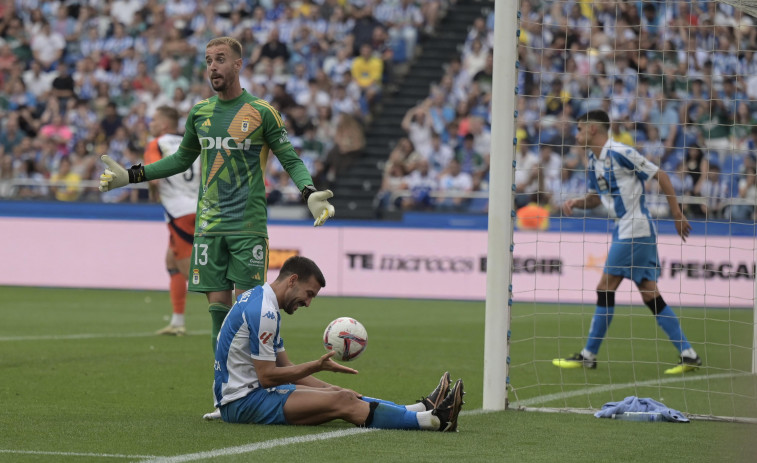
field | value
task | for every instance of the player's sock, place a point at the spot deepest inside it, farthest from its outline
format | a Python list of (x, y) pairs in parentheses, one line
[(669, 323), (218, 313), (601, 320), (416, 407), (427, 420), (178, 292), (177, 319), (387, 416)]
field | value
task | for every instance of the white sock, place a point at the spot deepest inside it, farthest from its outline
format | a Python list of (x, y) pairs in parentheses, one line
[(588, 355), (177, 319), (689, 353), (416, 407), (426, 420)]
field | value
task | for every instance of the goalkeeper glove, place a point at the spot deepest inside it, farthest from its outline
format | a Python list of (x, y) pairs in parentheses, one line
[(318, 204), (115, 176)]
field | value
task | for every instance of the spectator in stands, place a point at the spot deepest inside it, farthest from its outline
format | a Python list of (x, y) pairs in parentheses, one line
[(475, 59), (7, 188), (469, 160), (403, 20), (65, 182), (348, 147), (652, 148), (421, 182), (392, 181), (58, 131), (173, 80), (63, 87), (417, 124), (11, 134), (439, 154), (454, 188), (110, 122), (716, 189), (747, 191), (37, 81), (368, 71), (404, 154), (549, 169), (34, 184), (47, 46), (273, 51)]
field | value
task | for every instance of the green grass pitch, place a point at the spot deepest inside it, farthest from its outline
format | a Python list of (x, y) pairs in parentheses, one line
[(82, 379)]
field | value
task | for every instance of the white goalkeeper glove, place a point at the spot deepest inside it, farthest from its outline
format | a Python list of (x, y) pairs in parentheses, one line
[(115, 176), (318, 204)]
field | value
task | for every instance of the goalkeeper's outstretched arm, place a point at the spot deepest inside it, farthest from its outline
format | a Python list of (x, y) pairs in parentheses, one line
[(116, 176)]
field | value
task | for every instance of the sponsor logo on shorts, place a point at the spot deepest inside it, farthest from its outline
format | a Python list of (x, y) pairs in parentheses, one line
[(196, 276), (258, 254)]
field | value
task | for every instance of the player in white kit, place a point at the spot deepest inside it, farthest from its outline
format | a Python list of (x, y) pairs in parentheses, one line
[(178, 195)]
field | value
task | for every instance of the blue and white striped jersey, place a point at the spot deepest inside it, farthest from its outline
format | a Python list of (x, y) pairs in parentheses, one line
[(618, 176), (250, 331)]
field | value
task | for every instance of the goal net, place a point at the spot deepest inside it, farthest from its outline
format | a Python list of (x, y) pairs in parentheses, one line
[(679, 82)]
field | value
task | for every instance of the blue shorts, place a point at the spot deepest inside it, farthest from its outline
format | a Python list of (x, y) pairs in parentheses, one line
[(635, 259), (261, 406)]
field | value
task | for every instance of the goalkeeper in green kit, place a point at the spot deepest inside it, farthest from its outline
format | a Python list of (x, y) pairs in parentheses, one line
[(234, 132)]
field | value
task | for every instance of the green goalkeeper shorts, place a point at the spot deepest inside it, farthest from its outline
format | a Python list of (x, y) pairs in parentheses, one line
[(224, 262)]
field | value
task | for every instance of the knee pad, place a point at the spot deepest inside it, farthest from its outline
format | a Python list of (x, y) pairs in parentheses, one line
[(606, 298), (656, 305)]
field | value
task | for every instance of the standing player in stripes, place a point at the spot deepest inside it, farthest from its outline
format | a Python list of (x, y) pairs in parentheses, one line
[(617, 174)]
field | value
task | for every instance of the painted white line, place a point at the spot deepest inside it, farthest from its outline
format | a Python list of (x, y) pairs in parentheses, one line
[(259, 446), (63, 337), (75, 454), (277, 443), (613, 387)]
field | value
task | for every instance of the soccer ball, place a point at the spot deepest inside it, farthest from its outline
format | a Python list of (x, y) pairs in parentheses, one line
[(347, 337)]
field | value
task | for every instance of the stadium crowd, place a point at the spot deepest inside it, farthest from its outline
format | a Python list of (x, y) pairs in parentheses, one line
[(82, 79), (678, 78)]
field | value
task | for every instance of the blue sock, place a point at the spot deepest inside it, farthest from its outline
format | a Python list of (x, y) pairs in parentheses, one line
[(379, 401), (387, 416), (669, 323), (599, 324)]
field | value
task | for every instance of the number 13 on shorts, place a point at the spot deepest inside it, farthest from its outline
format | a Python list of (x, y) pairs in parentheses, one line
[(223, 262), (200, 257)]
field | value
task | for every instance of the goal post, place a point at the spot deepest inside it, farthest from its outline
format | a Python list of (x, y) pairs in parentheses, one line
[(679, 81), (501, 213)]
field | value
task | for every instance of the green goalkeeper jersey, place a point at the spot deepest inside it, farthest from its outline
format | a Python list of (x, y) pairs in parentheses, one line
[(234, 138)]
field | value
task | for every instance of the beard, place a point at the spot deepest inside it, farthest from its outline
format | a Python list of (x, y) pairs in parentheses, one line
[(221, 86), (291, 307)]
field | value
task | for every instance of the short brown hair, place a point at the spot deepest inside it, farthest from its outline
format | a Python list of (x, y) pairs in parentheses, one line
[(231, 42), (304, 268), (169, 113)]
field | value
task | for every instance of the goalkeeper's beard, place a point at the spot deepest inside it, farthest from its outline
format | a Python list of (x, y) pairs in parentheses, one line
[(221, 86)]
